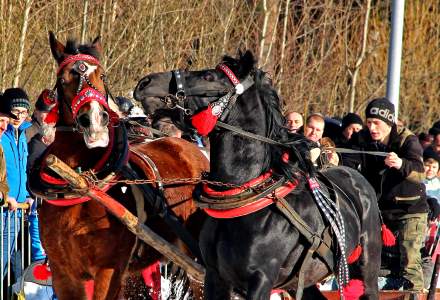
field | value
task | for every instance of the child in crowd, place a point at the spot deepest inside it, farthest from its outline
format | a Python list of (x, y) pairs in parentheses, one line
[(431, 160)]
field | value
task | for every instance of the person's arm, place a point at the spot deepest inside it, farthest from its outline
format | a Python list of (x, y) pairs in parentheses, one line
[(4, 188), (411, 160)]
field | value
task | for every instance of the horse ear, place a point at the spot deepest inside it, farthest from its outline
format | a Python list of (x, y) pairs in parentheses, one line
[(56, 47), (97, 44), (247, 62)]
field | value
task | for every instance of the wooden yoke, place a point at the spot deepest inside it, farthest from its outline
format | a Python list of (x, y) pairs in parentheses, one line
[(77, 181)]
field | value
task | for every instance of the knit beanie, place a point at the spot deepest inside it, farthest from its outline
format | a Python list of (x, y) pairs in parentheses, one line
[(381, 109), (435, 129), (430, 153), (351, 118), (16, 97)]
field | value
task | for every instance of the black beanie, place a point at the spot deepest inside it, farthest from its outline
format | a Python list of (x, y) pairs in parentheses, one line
[(16, 97), (351, 118), (430, 153), (382, 109), (435, 129)]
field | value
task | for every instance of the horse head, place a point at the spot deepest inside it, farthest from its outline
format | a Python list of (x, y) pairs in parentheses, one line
[(81, 90)]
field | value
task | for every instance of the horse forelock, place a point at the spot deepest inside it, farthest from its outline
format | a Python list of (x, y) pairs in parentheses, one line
[(241, 66), (73, 48)]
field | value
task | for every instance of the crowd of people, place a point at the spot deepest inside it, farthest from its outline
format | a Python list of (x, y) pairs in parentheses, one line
[(402, 167)]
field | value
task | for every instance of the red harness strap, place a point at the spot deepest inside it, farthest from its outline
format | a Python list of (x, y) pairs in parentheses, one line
[(73, 201), (251, 207)]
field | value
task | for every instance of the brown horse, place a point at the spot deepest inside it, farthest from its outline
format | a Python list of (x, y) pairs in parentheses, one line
[(82, 240)]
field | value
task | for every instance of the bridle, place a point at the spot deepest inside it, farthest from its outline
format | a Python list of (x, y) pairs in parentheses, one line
[(86, 91)]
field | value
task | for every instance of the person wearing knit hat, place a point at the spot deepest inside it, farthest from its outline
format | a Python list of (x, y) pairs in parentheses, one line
[(396, 173), (351, 123), (14, 145)]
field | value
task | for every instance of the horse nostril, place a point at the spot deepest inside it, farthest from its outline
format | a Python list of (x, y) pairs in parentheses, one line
[(146, 81), (83, 120)]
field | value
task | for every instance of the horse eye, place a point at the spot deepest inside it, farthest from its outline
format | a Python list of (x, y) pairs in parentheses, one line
[(208, 77)]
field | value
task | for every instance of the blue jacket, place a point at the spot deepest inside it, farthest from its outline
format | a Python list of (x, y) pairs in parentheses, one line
[(16, 160)]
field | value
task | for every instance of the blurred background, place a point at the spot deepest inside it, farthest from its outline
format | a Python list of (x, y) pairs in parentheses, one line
[(324, 56)]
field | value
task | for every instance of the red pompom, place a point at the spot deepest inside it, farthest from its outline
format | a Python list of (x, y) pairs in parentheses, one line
[(52, 116), (354, 256), (388, 237), (285, 157), (354, 289), (41, 272), (204, 121)]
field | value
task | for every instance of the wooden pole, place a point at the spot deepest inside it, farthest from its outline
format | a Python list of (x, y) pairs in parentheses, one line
[(194, 269)]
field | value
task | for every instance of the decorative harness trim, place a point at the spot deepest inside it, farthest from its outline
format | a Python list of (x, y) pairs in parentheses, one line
[(73, 58), (85, 96), (254, 206)]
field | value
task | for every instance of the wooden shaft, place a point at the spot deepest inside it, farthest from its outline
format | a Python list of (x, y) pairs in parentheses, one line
[(194, 269)]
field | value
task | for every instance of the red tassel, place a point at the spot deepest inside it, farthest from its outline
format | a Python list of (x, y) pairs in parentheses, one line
[(388, 237), (151, 276), (354, 256), (354, 289), (204, 121), (41, 272)]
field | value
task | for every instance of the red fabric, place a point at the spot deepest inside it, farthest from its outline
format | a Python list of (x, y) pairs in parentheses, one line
[(235, 191), (87, 95), (52, 116), (354, 256), (204, 122), (74, 58), (151, 276), (252, 207), (42, 272), (89, 286), (388, 237), (354, 289)]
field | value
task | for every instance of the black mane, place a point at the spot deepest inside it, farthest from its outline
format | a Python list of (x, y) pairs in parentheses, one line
[(73, 48)]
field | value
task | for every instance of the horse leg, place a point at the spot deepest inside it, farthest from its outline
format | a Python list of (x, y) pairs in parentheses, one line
[(368, 266), (108, 283), (196, 288), (65, 287), (259, 286), (215, 287)]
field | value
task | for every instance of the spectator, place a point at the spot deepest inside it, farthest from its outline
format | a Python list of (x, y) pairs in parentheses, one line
[(39, 136), (5, 115), (425, 140), (314, 127), (166, 126), (351, 123), (294, 121), (431, 160), (15, 149), (435, 132), (397, 180)]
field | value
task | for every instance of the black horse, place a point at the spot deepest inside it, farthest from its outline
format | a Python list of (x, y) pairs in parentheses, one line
[(253, 253)]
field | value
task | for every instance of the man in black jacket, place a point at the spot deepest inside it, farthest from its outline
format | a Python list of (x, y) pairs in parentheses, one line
[(397, 180)]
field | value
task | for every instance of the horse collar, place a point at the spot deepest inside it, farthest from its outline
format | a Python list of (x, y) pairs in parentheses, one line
[(251, 197)]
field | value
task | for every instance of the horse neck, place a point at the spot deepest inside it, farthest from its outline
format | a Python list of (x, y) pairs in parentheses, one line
[(237, 159)]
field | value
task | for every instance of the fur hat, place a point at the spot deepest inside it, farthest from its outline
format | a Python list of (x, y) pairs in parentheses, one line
[(435, 129), (381, 108), (16, 97), (351, 118)]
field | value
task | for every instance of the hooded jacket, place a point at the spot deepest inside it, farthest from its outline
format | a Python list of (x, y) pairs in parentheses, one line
[(16, 154), (399, 192)]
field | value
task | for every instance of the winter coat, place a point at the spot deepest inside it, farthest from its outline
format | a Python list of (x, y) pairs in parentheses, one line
[(399, 192), (16, 160)]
